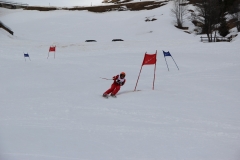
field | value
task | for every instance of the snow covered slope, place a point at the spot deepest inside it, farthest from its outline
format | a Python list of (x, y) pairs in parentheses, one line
[(68, 3), (52, 109)]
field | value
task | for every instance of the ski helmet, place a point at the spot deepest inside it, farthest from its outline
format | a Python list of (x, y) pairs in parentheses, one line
[(122, 74)]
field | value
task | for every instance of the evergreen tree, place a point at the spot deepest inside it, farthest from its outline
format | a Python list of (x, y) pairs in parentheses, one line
[(223, 29)]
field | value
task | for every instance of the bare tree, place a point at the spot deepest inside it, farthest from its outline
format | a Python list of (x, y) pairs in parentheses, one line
[(207, 14), (179, 11)]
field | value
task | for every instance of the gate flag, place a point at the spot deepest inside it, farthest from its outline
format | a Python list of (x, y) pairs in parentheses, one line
[(26, 55), (149, 59), (52, 49), (166, 54)]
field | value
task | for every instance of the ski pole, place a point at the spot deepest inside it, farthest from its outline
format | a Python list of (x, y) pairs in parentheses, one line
[(106, 78)]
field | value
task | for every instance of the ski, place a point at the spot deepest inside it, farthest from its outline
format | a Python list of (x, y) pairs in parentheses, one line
[(109, 96), (105, 97)]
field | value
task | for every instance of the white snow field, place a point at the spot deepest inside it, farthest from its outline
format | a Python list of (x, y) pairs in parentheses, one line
[(60, 3), (53, 109), (66, 3)]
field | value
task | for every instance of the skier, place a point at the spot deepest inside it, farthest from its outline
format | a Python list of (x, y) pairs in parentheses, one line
[(119, 80)]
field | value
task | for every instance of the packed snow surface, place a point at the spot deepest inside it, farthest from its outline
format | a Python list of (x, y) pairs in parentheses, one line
[(66, 3), (53, 109)]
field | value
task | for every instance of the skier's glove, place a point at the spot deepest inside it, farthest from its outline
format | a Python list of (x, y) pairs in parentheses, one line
[(118, 82)]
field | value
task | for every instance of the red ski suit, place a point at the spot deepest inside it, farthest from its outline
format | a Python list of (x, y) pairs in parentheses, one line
[(115, 87)]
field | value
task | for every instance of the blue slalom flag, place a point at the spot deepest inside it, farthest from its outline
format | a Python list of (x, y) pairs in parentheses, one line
[(26, 55), (166, 54)]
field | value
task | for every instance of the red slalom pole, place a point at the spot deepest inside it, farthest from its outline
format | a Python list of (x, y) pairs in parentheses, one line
[(154, 71), (138, 78)]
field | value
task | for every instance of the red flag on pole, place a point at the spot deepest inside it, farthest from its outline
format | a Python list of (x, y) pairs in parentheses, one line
[(149, 59), (52, 49)]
